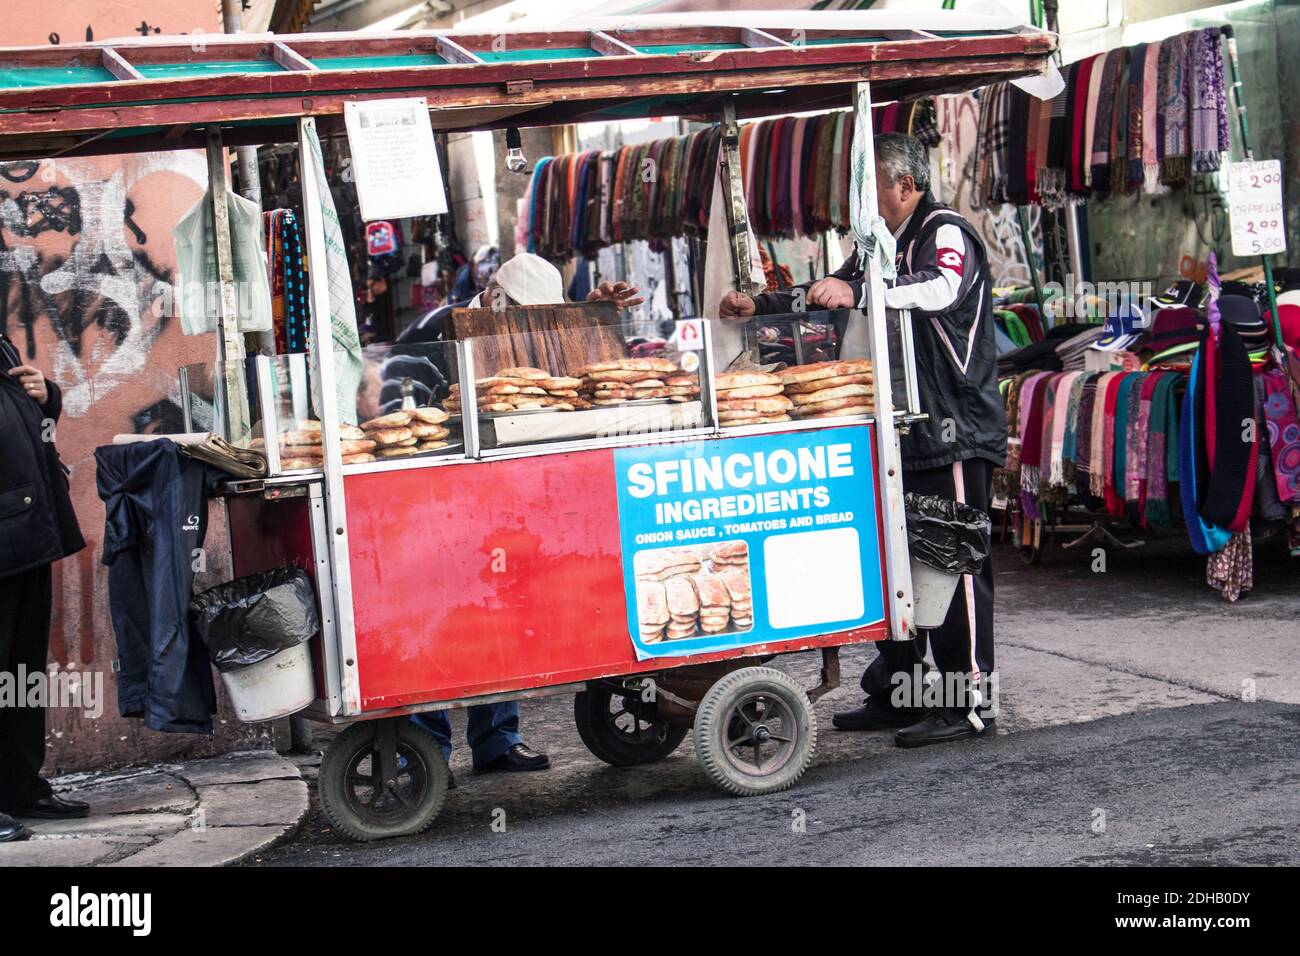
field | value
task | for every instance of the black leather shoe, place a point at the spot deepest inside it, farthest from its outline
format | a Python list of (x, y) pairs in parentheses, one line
[(517, 758), (54, 807), (940, 726), (11, 831), (874, 716)]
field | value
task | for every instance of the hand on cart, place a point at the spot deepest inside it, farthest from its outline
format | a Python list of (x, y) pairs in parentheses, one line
[(622, 294)]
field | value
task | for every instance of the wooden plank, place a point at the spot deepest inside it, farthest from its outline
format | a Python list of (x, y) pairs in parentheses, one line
[(117, 65), (758, 39), (290, 59), (557, 99), (559, 338), (452, 51), (638, 70), (606, 45)]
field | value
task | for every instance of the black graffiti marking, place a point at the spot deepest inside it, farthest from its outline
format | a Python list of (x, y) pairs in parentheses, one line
[(54, 38), (20, 171), (136, 231), (51, 210)]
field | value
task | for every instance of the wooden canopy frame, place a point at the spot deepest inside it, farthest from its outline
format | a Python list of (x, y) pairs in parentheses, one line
[(161, 92)]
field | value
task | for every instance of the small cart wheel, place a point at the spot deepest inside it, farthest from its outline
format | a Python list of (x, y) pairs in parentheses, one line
[(755, 732), (361, 804), (621, 731)]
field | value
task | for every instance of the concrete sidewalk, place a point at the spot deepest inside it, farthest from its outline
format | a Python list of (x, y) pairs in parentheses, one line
[(201, 813)]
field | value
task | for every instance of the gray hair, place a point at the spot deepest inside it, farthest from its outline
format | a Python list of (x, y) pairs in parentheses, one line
[(898, 154)]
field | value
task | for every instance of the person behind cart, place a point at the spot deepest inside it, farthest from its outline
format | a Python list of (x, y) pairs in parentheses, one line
[(528, 280), (493, 729), (943, 278), (37, 527)]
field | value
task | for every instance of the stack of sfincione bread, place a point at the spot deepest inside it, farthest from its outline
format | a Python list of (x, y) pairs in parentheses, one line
[(830, 389), (301, 446), (409, 431), (520, 388), (632, 379), (406, 432), (751, 398)]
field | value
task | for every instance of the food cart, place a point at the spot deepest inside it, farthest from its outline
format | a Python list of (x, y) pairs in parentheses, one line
[(529, 554)]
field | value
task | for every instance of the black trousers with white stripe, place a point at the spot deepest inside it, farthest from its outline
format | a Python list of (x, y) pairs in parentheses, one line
[(963, 645)]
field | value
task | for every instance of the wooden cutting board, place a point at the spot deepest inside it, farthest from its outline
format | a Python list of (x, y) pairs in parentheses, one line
[(557, 338)]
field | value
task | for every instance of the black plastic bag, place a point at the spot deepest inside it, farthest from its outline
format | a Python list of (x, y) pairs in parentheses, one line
[(947, 535), (251, 618)]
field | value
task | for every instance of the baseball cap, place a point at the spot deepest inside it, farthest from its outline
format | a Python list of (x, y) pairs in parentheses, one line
[(1124, 328), (1182, 292)]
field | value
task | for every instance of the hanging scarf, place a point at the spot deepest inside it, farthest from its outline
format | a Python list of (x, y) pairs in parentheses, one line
[(1070, 445), (1233, 461), (1096, 80), (1114, 489), (1119, 167), (1137, 76), (1208, 101), (1107, 91), (1231, 570), (800, 127), (1103, 430), (1190, 440), (1151, 117), (1083, 443), (1283, 434), (1080, 148), (1060, 421), (1175, 160), (1031, 448), (1163, 436), (1135, 474)]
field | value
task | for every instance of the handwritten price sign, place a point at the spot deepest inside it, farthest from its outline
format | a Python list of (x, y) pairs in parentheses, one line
[(1255, 208)]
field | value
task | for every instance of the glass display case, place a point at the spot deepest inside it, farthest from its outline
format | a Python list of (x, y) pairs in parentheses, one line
[(391, 407), (599, 384), (552, 390)]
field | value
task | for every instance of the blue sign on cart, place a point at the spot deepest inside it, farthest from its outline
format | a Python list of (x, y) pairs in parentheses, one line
[(744, 541)]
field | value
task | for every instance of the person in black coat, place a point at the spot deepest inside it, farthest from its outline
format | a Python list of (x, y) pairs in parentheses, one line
[(37, 527)]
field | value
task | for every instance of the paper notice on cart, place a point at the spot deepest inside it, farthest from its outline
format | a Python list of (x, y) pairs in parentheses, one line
[(1255, 208), (746, 541), (394, 160)]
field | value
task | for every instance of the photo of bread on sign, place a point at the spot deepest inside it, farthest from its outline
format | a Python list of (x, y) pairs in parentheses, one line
[(693, 591)]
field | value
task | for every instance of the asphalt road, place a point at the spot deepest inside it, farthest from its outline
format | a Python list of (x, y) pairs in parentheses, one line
[(1144, 721)]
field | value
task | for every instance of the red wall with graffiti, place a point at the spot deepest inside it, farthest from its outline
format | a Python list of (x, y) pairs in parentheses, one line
[(85, 260)]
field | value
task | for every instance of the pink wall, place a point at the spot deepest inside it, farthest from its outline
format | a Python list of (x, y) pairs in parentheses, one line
[(31, 22), (85, 256)]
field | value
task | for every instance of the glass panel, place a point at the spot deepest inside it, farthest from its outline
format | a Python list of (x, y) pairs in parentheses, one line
[(396, 412), (794, 340), (568, 384)]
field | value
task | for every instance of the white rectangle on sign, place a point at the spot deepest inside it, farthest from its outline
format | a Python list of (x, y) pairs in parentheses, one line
[(394, 160), (813, 577), (690, 335), (1255, 208)]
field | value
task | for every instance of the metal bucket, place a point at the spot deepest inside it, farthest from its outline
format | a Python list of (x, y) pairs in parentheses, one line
[(282, 684), (932, 593)]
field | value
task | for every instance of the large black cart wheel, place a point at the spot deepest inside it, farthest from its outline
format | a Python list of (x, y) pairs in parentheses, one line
[(621, 729), (383, 778), (755, 732)]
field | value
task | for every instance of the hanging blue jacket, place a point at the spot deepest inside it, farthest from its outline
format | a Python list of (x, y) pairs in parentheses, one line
[(156, 516)]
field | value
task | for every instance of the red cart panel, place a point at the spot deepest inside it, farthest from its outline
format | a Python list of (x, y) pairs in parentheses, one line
[(490, 577)]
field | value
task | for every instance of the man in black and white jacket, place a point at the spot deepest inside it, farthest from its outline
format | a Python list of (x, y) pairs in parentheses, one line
[(943, 279)]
